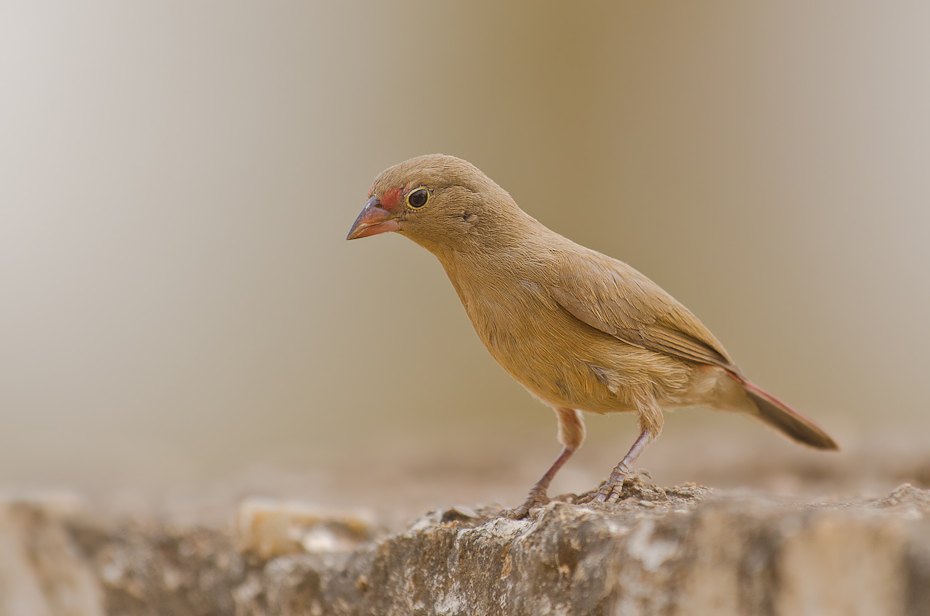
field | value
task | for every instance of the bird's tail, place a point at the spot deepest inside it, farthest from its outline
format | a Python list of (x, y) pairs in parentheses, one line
[(779, 415)]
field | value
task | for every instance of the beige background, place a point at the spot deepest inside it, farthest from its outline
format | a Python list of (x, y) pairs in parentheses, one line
[(179, 308)]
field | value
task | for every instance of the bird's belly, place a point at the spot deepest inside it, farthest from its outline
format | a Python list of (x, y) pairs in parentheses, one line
[(565, 363)]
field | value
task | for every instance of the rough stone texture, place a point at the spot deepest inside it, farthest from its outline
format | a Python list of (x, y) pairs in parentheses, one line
[(41, 570), (684, 550)]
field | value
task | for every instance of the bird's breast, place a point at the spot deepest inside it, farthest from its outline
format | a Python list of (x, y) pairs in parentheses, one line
[(560, 360)]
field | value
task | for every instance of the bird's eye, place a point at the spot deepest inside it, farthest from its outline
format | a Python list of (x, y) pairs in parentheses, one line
[(418, 198)]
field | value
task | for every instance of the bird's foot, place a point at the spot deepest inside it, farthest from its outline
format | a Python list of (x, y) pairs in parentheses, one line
[(536, 498), (609, 491)]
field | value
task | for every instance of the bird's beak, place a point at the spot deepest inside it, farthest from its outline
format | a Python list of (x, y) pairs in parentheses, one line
[(372, 220)]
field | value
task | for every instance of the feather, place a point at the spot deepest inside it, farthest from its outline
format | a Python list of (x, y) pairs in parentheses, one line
[(611, 296)]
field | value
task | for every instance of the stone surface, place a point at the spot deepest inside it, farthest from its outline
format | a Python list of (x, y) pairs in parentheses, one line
[(684, 550), (42, 572), (271, 528)]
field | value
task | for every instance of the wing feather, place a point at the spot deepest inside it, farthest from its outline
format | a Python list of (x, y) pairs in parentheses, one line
[(611, 296)]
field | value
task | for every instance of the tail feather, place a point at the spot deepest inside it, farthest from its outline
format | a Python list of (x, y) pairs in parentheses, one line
[(779, 415)]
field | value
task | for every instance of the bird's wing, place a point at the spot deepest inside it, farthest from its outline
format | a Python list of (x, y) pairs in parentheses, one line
[(615, 298)]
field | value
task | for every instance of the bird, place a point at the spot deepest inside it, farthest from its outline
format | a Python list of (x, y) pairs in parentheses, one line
[(581, 331)]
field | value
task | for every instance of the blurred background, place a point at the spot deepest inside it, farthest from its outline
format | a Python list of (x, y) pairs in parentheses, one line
[(182, 318)]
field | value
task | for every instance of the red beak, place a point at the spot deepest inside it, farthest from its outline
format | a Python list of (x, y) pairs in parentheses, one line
[(372, 220)]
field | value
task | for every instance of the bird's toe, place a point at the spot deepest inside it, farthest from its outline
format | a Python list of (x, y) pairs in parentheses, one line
[(608, 492), (535, 499)]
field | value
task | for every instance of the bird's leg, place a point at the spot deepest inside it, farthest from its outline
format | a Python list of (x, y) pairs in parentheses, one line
[(537, 496), (571, 434), (610, 491)]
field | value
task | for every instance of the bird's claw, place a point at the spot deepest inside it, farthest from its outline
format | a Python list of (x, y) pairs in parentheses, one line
[(609, 492), (534, 500)]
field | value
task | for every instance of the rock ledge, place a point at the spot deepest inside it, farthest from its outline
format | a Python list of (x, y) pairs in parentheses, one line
[(684, 550)]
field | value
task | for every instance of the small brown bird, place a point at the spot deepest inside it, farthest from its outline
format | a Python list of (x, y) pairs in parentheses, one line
[(579, 330)]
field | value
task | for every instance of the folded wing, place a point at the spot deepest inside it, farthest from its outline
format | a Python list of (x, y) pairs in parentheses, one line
[(611, 296)]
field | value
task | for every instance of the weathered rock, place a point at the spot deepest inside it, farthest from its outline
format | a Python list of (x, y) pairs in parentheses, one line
[(270, 528), (41, 571), (682, 550)]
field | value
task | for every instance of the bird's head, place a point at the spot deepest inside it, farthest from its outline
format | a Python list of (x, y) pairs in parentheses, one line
[(440, 202)]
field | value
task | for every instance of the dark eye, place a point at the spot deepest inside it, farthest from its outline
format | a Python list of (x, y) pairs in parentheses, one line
[(418, 198)]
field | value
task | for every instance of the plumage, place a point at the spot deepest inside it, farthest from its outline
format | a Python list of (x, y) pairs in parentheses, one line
[(581, 331)]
